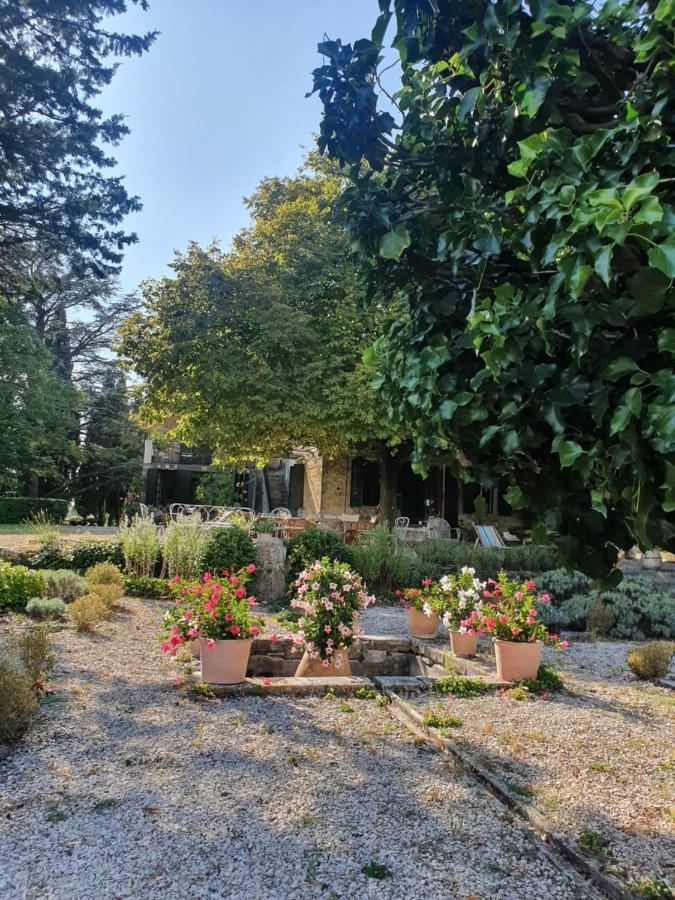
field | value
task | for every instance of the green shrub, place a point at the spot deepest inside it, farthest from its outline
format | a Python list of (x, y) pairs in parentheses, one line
[(104, 573), (184, 547), (228, 548), (384, 564), (109, 593), (547, 680), (34, 651), (439, 557), (599, 617), (87, 612), (460, 686), (138, 586), (17, 509), (312, 543), (651, 660), (64, 585), (18, 703), (17, 585), (141, 547), (576, 610), (89, 553), (441, 721), (640, 611), (45, 607), (562, 585)]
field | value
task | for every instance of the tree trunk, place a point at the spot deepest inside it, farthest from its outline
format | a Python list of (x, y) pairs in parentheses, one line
[(389, 467)]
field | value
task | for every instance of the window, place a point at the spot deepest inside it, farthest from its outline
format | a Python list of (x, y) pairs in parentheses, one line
[(365, 483)]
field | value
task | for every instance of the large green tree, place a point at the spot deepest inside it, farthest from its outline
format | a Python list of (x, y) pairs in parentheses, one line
[(37, 437), (112, 451), (258, 350), (54, 190), (517, 193)]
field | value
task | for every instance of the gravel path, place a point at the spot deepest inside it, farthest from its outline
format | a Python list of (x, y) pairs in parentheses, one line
[(127, 787), (600, 757)]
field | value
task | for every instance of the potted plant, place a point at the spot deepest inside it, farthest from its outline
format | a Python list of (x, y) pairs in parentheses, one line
[(463, 603), (424, 605), (216, 611), (331, 598), (510, 616)]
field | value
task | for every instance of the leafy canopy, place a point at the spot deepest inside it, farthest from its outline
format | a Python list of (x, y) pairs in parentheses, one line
[(517, 195), (258, 350)]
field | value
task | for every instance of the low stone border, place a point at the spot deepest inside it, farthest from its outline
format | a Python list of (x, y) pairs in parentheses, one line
[(298, 687), (608, 884)]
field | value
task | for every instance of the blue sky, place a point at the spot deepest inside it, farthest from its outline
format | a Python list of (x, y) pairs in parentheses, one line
[(217, 104)]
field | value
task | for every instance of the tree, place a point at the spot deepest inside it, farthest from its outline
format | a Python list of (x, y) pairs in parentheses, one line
[(112, 452), (53, 190), (257, 351), (36, 438), (75, 314), (517, 194)]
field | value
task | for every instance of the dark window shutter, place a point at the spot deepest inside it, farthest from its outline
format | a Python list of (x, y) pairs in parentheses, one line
[(356, 497)]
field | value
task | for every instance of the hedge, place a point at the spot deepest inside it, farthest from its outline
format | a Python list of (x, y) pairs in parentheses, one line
[(17, 509)]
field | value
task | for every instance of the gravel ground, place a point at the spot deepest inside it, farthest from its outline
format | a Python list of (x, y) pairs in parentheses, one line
[(599, 757), (126, 787)]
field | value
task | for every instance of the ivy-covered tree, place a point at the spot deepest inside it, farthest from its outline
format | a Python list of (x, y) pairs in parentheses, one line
[(53, 188), (517, 192), (258, 350)]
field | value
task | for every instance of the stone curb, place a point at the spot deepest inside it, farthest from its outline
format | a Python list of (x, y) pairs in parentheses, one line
[(298, 687), (608, 884)]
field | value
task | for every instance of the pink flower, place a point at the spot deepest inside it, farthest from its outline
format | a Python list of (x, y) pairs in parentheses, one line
[(519, 595), (515, 630), (229, 617), (564, 644), (235, 629), (252, 601), (502, 618), (530, 585), (267, 681), (234, 580), (255, 630), (240, 593), (250, 569), (210, 644), (188, 613), (327, 629), (192, 633), (426, 582), (530, 620), (207, 576), (545, 598), (274, 638)]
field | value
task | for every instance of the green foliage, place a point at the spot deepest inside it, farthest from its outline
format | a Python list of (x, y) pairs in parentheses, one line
[(64, 585), (87, 612), (310, 544), (104, 573), (89, 553), (384, 565), (112, 452), (439, 557), (56, 190), (599, 618), (45, 607), (19, 509), (138, 586), (184, 547), (109, 593), (34, 652), (655, 888), (18, 703), (366, 694), (216, 489), (141, 547), (650, 660), (521, 206), (547, 680), (593, 843), (460, 686), (17, 585), (228, 548), (639, 610), (376, 870), (437, 720), (562, 584), (287, 304)]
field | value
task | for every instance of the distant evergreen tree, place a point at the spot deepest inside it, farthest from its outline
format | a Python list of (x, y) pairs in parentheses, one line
[(112, 452)]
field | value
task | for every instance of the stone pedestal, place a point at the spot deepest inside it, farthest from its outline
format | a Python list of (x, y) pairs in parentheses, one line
[(270, 559)]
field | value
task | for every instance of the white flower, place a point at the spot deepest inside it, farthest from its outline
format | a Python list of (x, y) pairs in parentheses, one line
[(468, 570)]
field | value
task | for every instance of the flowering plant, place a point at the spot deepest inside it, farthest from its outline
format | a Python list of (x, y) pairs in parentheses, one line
[(331, 598), (213, 607), (510, 614), (462, 601), (427, 599)]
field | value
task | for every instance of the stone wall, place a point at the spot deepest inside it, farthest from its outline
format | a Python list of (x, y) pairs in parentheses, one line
[(336, 489)]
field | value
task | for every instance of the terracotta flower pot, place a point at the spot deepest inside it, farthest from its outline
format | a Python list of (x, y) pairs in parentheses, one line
[(195, 649), (421, 625), (516, 661), (225, 662), (463, 644), (312, 668)]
